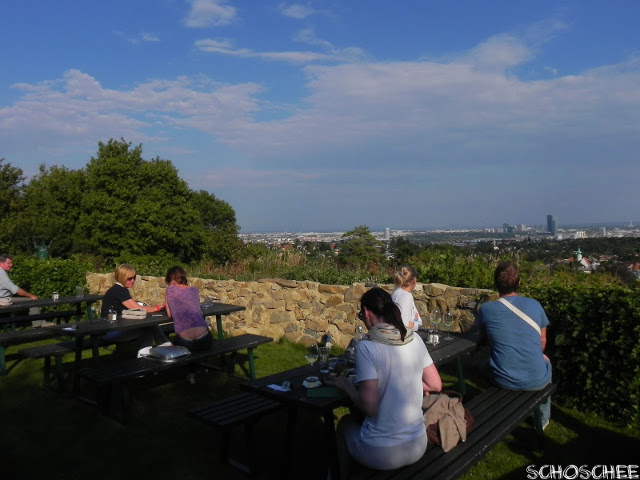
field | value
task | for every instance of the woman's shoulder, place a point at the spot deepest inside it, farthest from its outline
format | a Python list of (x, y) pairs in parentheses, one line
[(399, 293)]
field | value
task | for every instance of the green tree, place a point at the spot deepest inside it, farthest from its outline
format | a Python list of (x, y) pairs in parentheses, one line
[(11, 180), (221, 229), (360, 248), (137, 207), (51, 210)]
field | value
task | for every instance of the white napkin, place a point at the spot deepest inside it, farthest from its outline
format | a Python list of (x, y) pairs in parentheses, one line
[(144, 352), (278, 388)]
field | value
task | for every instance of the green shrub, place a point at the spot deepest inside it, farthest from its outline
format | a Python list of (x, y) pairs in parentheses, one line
[(593, 343), (43, 277)]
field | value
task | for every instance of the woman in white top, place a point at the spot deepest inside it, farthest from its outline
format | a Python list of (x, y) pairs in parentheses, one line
[(393, 372), (405, 279)]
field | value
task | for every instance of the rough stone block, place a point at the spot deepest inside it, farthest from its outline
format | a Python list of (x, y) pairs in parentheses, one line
[(279, 316)]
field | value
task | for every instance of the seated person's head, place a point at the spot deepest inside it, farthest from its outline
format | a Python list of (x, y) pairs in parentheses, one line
[(404, 276), (506, 278), (376, 307), (177, 276), (125, 273)]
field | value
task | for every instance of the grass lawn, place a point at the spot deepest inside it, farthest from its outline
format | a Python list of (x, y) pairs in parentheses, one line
[(47, 434)]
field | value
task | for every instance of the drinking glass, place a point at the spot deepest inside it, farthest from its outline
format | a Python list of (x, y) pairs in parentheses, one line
[(436, 317), (447, 320), (79, 291), (312, 354), (435, 321), (323, 356)]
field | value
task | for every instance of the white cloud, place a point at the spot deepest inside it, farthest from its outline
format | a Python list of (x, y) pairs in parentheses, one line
[(333, 54), (469, 110), (296, 10), (149, 37), (225, 47), (207, 13), (143, 37)]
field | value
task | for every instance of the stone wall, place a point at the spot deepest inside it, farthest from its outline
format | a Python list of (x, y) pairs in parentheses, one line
[(301, 311)]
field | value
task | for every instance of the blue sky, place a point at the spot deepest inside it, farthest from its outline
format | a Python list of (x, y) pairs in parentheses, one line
[(324, 115)]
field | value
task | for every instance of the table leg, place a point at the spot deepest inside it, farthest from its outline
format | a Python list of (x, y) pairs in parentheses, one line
[(219, 327), (330, 442), (252, 365), (95, 348), (78, 356), (462, 385), (292, 421), (3, 361)]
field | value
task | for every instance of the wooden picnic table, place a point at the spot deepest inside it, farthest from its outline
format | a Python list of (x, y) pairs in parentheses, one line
[(96, 328), (219, 309), (325, 399), (8, 314), (10, 317)]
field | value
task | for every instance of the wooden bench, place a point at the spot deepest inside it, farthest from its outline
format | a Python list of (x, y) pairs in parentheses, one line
[(25, 320), (56, 350), (243, 409), (122, 373), (496, 412), (19, 337)]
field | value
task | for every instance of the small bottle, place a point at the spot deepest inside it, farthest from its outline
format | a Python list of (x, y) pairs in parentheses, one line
[(359, 333), (55, 296), (112, 316), (327, 339)]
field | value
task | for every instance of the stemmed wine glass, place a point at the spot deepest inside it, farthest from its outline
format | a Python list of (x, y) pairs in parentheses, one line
[(436, 317), (312, 354), (447, 320)]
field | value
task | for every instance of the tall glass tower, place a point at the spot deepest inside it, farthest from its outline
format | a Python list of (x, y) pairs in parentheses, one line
[(552, 225)]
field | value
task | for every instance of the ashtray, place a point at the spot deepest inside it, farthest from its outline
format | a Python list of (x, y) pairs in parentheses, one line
[(311, 382)]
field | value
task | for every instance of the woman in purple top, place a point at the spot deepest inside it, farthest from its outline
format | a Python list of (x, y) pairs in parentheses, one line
[(183, 304)]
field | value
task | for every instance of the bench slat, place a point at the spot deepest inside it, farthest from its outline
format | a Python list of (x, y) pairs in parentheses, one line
[(496, 413), (122, 372), (243, 409)]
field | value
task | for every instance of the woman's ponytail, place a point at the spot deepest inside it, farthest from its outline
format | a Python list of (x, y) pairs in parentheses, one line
[(379, 302)]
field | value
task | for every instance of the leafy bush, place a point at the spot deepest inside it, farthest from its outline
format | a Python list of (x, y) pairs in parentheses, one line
[(154, 265), (594, 348), (43, 277)]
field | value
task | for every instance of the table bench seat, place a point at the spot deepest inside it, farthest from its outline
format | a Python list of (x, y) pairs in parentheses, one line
[(19, 337), (121, 373), (56, 350), (243, 409), (496, 412), (25, 320)]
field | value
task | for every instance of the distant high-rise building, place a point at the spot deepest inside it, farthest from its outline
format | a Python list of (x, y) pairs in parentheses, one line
[(602, 231), (521, 228), (386, 234), (552, 224)]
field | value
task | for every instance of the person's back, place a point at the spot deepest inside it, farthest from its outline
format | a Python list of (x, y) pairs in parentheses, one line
[(184, 303), (398, 370), (517, 334), (516, 358)]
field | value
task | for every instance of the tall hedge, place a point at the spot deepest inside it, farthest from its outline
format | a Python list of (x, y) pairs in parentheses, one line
[(43, 277), (594, 346)]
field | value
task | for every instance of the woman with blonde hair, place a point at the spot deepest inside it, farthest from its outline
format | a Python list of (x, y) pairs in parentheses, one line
[(405, 279), (118, 298)]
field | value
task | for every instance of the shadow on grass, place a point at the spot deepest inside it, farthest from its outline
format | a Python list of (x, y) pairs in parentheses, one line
[(569, 440)]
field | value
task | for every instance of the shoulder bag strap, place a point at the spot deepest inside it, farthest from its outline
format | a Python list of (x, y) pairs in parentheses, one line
[(520, 313)]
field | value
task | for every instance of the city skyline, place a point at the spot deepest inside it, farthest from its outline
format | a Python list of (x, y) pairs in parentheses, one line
[(329, 114)]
